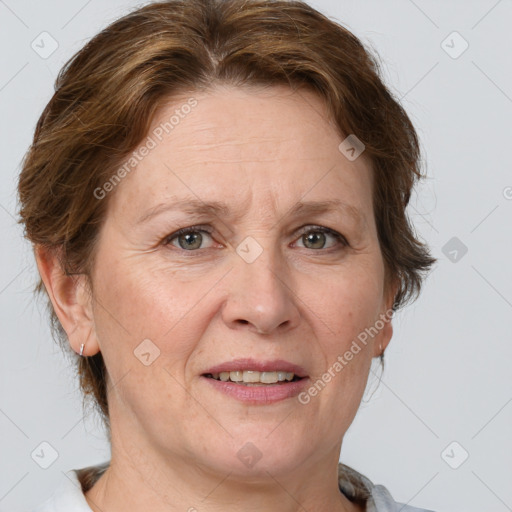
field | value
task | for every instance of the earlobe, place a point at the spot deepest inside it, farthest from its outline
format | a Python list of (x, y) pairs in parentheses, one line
[(71, 299), (386, 331), (384, 338)]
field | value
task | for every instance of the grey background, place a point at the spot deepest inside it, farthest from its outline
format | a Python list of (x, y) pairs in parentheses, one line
[(447, 374)]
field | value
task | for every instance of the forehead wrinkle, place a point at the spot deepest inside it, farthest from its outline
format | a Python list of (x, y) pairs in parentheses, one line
[(220, 161), (234, 142)]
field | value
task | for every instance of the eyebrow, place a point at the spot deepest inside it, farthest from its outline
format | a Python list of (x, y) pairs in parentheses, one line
[(190, 206), (220, 209)]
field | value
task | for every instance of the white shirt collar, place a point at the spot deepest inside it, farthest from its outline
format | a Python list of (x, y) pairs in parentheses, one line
[(68, 497)]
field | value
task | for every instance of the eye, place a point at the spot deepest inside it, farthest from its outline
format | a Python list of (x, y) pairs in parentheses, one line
[(318, 238), (193, 238), (189, 239)]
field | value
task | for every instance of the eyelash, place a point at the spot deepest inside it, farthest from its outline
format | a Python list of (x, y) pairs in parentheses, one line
[(304, 231)]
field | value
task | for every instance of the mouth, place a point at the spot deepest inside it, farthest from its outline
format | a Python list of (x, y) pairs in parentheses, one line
[(257, 382), (254, 377)]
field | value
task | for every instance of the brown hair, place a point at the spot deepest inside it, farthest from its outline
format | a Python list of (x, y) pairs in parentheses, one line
[(108, 93)]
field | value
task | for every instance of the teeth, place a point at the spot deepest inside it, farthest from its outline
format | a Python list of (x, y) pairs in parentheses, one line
[(236, 376), (251, 376), (269, 377), (254, 377)]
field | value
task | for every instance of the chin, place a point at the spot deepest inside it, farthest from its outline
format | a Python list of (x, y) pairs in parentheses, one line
[(258, 455)]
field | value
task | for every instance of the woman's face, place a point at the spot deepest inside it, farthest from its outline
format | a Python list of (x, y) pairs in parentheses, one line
[(281, 262)]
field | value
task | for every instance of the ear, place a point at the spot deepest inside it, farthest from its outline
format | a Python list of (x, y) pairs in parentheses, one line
[(384, 322), (71, 299)]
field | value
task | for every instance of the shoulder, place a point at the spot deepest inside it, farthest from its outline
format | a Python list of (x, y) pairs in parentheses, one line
[(382, 501), (67, 497), (376, 498)]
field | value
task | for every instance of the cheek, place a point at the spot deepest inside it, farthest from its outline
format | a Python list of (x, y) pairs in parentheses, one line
[(346, 308), (135, 305), (149, 304), (348, 301)]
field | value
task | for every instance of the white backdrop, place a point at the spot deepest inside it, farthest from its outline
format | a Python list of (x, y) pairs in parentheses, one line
[(437, 430)]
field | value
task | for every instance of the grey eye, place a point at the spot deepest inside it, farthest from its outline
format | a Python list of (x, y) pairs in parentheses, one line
[(190, 239), (314, 240), (318, 238)]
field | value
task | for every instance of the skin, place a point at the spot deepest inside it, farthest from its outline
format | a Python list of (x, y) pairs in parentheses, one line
[(175, 439)]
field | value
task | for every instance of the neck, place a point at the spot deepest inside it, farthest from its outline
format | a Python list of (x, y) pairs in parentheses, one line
[(137, 482)]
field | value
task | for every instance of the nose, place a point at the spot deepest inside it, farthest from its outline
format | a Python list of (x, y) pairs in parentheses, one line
[(260, 296)]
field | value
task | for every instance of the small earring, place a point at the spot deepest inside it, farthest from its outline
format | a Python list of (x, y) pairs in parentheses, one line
[(82, 348), (381, 351)]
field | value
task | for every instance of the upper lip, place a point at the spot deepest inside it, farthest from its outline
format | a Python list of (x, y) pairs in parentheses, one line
[(260, 366)]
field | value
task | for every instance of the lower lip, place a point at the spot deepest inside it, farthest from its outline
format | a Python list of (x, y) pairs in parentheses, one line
[(265, 394)]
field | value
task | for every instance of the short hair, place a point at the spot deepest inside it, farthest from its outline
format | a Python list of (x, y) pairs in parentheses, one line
[(107, 94)]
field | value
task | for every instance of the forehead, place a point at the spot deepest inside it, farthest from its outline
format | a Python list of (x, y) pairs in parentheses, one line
[(230, 144), (241, 122)]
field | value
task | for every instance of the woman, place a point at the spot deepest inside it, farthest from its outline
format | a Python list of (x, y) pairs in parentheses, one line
[(216, 196)]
